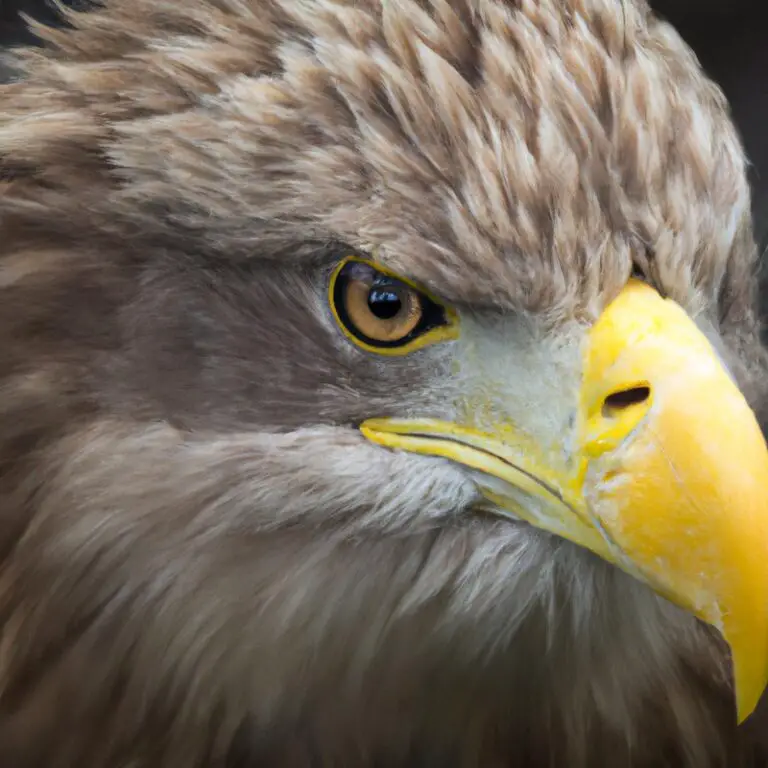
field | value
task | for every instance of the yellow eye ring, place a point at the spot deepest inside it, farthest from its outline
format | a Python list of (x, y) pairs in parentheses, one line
[(385, 313)]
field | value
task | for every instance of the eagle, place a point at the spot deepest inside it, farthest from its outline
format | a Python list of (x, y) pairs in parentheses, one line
[(380, 385)]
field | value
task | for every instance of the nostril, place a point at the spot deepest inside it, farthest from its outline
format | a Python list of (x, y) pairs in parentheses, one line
[(618, 401)]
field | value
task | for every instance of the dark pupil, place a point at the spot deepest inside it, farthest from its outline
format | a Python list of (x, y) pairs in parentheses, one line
[(384, 302)]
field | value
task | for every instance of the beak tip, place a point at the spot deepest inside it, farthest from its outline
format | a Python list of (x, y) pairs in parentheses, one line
[(745, 706), (748, 695), (750, 676)]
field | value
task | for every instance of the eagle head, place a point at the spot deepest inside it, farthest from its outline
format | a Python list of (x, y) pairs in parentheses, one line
[(377, 384)]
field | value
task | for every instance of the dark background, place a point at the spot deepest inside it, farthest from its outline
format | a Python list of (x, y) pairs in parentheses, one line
[(729, 37)]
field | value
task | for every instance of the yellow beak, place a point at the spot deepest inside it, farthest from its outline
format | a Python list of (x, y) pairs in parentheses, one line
[(668, 477)]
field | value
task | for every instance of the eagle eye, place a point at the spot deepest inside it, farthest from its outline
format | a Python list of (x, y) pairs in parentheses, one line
[(384, 313)]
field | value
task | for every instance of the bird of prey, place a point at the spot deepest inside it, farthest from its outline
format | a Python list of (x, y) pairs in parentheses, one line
[(380, 385)]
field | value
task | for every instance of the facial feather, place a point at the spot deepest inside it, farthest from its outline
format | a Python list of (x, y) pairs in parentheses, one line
[(165, 558), (200, 555)]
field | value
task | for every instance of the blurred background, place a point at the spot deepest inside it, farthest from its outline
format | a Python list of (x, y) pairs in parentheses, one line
[(728, 37)]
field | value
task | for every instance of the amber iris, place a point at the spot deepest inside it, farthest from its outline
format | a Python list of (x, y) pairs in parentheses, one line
[(380, 311)]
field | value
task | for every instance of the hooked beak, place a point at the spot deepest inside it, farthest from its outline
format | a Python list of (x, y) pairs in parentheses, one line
[(667, 479)]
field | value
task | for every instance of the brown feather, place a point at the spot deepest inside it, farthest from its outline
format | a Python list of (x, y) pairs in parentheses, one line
[(201, 562)]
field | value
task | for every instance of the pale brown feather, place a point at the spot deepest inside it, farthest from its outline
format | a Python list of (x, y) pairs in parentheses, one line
[(202, 563)]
